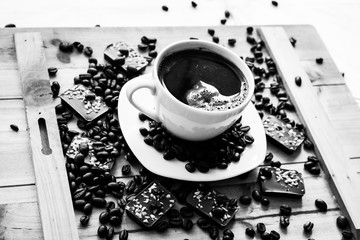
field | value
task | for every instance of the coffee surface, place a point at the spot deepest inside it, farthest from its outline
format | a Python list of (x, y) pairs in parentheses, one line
[(203, 79)]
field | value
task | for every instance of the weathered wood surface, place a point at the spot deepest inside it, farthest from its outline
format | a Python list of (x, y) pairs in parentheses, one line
[(54, 199), (19, 211)]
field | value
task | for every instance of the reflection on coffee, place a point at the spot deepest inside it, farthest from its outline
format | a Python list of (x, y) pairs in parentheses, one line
[(203, 79)]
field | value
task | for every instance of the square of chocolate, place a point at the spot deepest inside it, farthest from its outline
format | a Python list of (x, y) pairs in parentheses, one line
[(150, 205), (92, 152), (84, 102), (281, 182), (282, 134), (213, 205), (128, 58)]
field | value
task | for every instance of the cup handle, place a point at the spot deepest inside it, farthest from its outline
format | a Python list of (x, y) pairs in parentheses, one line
[(137, 83)]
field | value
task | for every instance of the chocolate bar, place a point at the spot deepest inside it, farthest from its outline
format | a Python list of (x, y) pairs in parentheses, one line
[(213, 205), (93, 152), (282, 134), (84, 102), (121, 54), (148, 207), (281, 182)]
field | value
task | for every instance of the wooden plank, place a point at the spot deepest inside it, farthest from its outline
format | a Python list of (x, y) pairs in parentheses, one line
[(327, 145), (57, 215)]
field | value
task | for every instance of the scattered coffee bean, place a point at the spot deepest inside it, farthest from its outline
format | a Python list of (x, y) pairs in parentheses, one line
[(274, 3), (162, 226), (193, 4), (165, 8), (274, 235), (265, 202), (126, 169), (266, 236), (88, 51), (10, 25), (347, 234), (293, 41), (55, 88), (123, 234), (88, 208), (231, 41), (153, 53), (186, 212), (245, 199), (215, 39), (110, 234), (321, 205), (269, 156), (228, 234), (102, 231), (285, 210), (84, 220), (14, 127), (319, 60), (275, 164), (284, 221), (211, 31), (227, 14), (187, 224), (249, 30), (308, 226), (223, 21), (256, 195), (298, 81), (250, 232), (342, 222), (260, 227), (52, 71), (315, 170)]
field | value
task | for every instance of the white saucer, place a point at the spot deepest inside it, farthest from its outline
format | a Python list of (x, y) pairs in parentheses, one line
[(151, 159)]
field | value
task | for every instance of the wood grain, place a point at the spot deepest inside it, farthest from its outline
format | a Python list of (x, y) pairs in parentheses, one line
[(57, 215), (327, 144)]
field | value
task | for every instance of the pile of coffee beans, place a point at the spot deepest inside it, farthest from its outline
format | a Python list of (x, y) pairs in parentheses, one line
[(218, 152)]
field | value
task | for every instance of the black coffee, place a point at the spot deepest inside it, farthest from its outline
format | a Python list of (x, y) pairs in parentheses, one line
[(203, 79)]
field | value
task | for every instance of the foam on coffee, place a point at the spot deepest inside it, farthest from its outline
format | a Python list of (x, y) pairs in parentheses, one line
[(203, 79)]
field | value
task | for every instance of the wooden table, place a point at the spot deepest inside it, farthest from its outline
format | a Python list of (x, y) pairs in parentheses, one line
[(333, 106)]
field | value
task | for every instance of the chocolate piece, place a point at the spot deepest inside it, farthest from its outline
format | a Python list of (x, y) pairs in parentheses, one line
[(150, 205), (282, 182), (282, 134), (84, 102), (121, 54), (213, 205), (95, 152)]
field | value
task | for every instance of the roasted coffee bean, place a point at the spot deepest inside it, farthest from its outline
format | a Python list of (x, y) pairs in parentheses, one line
[(319, 60), (173, 213), (109, 205), (193, 4), (10, 25), (88, 51), (309, 164), (98, 202), (213, 232), (153, 53), (218, 212), (88, 208), (250, 40), (256, 195), (298, 81), (293, 41), (175, 222), (65, 47), (228, 234), (260, 227), (104, 217), (266, 172), (308, 144), (162, 226), (231, 41), (285, 210), (284, 221), (79, 204), (115, 220), (215, 39), (314, 170), (52, 71), (245, 199), (186, 212), (126, 169), (275, 164), (130, 186), (102, 231), (342, 222), (84, 220), (347, 234), (55, 88), (250, 232), (274, 235), (116, 212), (14, 127), (100, 193), (203, 223), (308, 226), (187, 224), (269, 156), (211, 31), (110, 233), (321, 205), (266, 236), (190, 167), (121, 203), (274, 3), (223, 21), (123, 234), (249, 30)]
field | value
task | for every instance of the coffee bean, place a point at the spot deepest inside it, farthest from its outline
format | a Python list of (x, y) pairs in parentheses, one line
[(187, 224), (319, 60), (308, 144), (266, 236), (211, 31), (215, 39), (250, 232), (309, 164), (274, 3), (153, 53), (104, 217), (186, 212), (88, 51), (162, 226), (102, 231), (203, 223), (55, 88), (245, 199), (98, 202), (190, 167), (231, 41), (260, 227), (10, 25), (110, 233), (274, 235), (88, 208), (269, 156), (218, 212), (84, 220), (175, 222), (14, 127), (126, 169), (347, 234), (115, 220), (284, 221), (213, 232), (266, 172), (293, 41), (52, 71), (314, 170), (227, 232), (342, 222), (256, 195), (275, 164), (223, 21), (308, 226), (65, 47), (321, 205), (265, 202), (249, 30), (123, 234), (285, 210), (298, 81)]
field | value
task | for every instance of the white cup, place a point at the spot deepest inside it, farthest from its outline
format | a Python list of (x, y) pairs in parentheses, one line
[(180, 119)]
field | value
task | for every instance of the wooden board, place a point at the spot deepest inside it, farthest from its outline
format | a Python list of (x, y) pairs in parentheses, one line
[(19, 210), (57, 215), (319, 129)]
